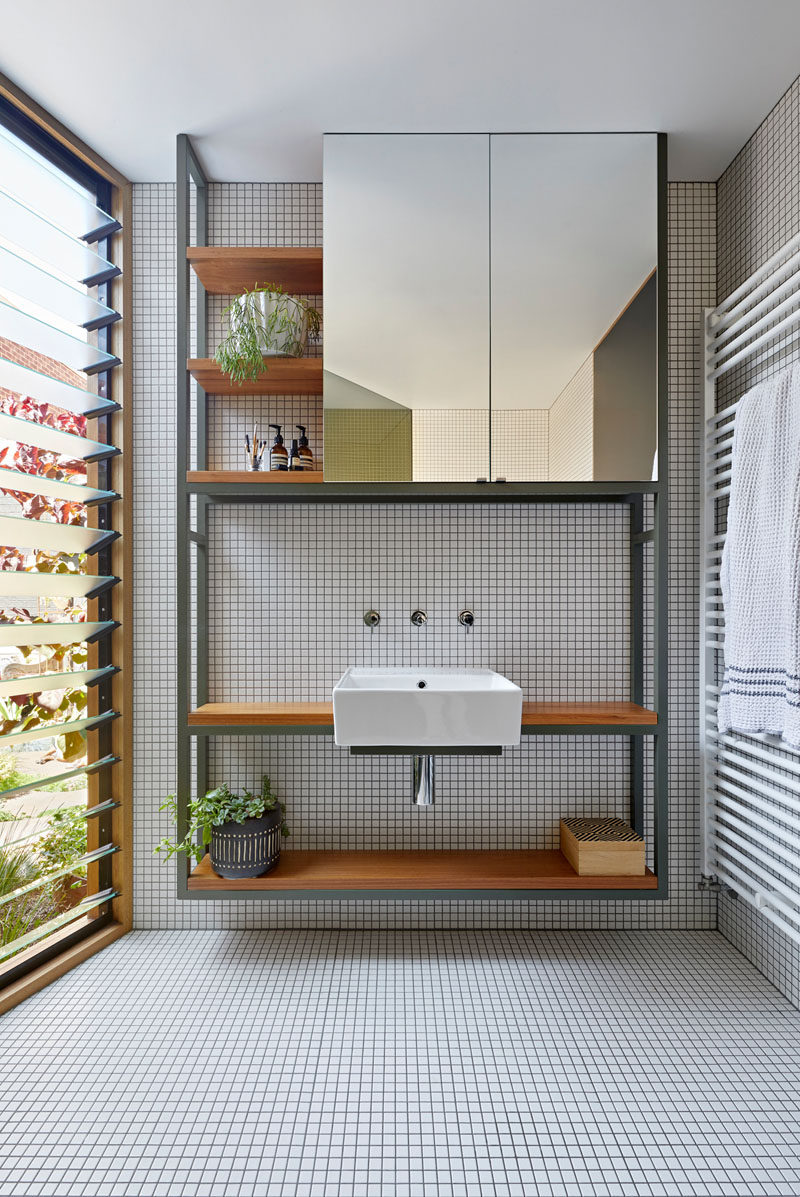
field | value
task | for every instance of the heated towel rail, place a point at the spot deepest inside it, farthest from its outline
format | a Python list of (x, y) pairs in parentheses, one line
[(751, 783)]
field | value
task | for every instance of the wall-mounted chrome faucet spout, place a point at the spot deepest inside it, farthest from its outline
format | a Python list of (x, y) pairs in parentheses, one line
[(422, 776), (467, 620), (371, 618), (418, 618)]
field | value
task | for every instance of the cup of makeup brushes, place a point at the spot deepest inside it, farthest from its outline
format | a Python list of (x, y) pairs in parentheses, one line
[(254, 450)]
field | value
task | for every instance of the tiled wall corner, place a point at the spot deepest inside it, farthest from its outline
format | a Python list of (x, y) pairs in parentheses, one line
[(571, 427), (542, 582)]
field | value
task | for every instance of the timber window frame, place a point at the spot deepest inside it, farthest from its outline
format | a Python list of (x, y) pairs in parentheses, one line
[(110, 528)]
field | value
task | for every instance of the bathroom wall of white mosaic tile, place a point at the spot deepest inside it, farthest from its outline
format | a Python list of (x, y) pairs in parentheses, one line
[(548, 586)]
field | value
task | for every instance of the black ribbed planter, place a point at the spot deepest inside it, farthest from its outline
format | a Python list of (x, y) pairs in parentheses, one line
[(248, 849)]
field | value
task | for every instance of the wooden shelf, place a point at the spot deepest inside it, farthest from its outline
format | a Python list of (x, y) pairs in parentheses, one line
[(231, 269), (263, 714), (284, 376), (418, 870), (255, 477), (611, 715), (581, 714)]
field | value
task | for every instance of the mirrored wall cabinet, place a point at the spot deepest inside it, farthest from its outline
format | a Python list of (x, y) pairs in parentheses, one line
[(491, 307)]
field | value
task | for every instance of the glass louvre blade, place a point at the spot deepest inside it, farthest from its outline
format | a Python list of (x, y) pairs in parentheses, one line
[(44, 389), (38, 238), (33, 284), (30, 634), (50, 537), (23, 583), (32, 484), (38, 682), (58, 777), (88, 813), (78, 354), (25, 432), (61, 920), (48, 731), (37, 185), (46, 878)]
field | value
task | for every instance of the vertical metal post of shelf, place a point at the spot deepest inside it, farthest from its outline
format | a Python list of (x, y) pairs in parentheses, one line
[(201, 546), (636, 509), (188, 168), (660, 551)]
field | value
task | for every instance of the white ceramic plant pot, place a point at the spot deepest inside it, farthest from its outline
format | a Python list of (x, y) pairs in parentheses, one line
[(289, 331)]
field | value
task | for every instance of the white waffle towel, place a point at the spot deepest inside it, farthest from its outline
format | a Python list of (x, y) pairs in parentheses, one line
[(760, 575)]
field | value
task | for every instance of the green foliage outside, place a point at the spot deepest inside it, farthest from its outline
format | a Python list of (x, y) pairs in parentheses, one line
[(58, 848)]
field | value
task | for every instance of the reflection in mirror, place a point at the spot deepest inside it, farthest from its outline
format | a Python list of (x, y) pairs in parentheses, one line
[(574, 235), (406, 385), (536, 252)]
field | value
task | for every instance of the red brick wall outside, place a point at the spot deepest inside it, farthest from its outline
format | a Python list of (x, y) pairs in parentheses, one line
[(22, 356)]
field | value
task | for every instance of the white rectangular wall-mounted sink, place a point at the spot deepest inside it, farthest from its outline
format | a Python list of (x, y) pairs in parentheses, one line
[(426, 708)]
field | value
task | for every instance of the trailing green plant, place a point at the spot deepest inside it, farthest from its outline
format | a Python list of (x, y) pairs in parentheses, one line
[(247, 334), (212, 810)]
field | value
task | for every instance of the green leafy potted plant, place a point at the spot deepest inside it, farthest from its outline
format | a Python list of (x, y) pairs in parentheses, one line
[(242, 833), (264, 322)]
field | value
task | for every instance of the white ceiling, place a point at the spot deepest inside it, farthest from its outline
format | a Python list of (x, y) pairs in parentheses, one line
[(256, 82)]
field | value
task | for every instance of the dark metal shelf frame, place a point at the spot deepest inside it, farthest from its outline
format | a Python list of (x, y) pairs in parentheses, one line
[(426, 492), (193, 741)]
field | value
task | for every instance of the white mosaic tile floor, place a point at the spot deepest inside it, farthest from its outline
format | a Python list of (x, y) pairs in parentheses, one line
[(438, 1064)]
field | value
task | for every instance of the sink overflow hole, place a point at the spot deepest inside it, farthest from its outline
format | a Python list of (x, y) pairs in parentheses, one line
[(421, 685)]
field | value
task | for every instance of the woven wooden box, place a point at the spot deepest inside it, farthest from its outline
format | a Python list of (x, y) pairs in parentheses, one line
[(602, 847)]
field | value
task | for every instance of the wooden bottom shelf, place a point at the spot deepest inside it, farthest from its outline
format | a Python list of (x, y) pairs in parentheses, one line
[(417, 870)]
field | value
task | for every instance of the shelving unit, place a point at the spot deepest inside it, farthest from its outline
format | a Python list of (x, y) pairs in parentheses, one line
[(500, 874)]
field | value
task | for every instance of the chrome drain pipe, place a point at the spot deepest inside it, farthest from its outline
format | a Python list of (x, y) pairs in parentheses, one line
[(422, 778)]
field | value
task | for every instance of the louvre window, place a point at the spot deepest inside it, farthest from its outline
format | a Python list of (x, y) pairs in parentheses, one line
[(59, 496)]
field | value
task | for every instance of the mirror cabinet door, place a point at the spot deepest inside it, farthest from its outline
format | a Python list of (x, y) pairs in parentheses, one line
[(535, 251), (574, 248), (406, 343)]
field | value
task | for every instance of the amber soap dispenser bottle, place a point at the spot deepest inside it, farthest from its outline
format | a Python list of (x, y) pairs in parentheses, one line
[(278, 457), (306, 456)]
